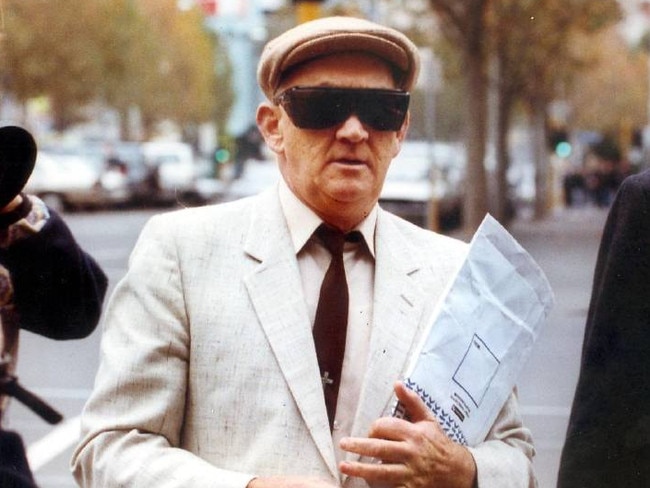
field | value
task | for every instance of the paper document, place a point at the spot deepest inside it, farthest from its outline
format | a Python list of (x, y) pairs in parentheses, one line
[(482, 332)]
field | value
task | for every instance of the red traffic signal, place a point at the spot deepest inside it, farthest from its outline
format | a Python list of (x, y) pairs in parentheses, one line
[(209, 7)]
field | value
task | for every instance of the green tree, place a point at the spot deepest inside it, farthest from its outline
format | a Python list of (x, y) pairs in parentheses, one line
[(526, 47), (184, 85), (617, 71), (49, 51), (128, 58), (539, 47), (142, 55)]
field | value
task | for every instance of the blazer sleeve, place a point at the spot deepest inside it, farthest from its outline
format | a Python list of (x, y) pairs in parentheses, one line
[(58, 288), (504, 459), (132, 424)]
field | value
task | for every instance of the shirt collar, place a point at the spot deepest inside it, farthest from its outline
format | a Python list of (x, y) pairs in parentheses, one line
[(302, 221)]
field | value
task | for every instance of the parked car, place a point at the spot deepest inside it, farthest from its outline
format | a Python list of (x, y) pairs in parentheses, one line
[(68, 179), (172, 167), (257, 175), (424, 184), (129, 159), (157, 173)]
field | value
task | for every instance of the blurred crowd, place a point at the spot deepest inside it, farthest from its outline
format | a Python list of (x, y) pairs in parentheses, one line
[(596, 181)]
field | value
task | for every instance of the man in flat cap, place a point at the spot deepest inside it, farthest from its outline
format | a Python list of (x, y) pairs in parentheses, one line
[(260, 343)]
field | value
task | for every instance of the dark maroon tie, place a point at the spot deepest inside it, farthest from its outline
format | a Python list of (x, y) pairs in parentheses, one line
[(330, 325)]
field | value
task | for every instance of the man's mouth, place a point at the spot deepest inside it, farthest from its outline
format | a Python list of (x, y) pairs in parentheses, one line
[(349, 162)]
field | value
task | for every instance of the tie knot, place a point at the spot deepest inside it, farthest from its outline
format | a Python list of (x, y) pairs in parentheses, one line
[(333, 239)]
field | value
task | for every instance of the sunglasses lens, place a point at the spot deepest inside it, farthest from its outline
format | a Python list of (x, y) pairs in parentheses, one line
[(384, 112), (313, 109), (323, 107)]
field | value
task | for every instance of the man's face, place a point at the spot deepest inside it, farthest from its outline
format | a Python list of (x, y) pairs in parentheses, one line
[(337, 171)]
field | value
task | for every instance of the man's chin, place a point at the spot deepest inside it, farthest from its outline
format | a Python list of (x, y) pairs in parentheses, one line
[(352, 192), (353, 198)]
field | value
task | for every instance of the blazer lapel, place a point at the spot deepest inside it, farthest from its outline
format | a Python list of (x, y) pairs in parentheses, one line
[(397, 318), (275, 290)]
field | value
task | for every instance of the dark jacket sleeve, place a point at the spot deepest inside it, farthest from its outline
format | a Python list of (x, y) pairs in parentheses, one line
[(58, 288), (608, 437)]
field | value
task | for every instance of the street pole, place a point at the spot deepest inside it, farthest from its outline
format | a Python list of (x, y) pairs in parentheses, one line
[(243, 32)]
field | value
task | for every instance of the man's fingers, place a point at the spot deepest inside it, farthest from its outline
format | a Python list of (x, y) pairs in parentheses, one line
[(416, 409), (384, 450), (387, 474)]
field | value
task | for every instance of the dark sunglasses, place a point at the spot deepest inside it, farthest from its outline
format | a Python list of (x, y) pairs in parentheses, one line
[(325, 107)]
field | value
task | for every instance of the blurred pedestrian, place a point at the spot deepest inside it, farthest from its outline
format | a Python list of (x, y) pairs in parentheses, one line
[(48, 285), (248, 146), (608, 437), (228, 358)]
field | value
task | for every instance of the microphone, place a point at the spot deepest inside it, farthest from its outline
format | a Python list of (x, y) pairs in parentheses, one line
[(17, 159)]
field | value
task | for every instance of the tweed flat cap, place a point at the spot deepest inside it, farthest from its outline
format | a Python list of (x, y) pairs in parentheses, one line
[(332, 35)]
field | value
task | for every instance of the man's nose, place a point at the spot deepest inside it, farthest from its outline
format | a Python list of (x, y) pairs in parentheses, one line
[(352, 129)]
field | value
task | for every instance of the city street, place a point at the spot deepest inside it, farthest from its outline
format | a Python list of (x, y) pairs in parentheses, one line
[(565, 246)]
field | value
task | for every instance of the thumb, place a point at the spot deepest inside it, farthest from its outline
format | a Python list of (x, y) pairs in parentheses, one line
[(416, 409)]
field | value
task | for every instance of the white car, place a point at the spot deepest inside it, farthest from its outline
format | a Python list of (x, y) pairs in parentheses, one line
[(424, 182), (176, 168), (66, 180)]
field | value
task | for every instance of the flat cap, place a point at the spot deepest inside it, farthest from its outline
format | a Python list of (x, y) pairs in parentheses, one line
[(332, 35)]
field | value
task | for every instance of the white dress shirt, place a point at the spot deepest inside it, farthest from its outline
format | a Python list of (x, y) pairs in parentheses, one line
[(359, 260)]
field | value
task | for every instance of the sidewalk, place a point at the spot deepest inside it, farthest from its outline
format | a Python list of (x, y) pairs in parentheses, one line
[(586, 221)]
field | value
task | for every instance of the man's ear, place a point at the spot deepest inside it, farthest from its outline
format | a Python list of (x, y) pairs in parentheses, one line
[(401, 133), (268, 122)]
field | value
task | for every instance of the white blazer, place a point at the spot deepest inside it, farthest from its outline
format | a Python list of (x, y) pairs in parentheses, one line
[(208, 371)]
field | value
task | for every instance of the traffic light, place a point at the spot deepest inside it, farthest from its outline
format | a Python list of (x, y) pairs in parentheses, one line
[(558, 141), (221, 155)]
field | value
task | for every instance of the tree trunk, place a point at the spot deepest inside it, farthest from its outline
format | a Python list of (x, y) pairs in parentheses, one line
[(465, 24), (503, 209), (475, 204)]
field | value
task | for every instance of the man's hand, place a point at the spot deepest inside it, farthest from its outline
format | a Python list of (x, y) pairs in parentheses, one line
[(18, 199), (290, 482), (413, 454)]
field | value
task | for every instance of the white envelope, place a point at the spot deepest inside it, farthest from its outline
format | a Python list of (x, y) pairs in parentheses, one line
[(482, 332)]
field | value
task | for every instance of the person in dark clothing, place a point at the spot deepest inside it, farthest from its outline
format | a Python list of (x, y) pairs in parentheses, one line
[(608, 437), (48, 285)]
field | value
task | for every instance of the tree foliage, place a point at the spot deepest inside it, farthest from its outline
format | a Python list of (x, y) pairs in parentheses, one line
[(526, 48), (127, 54), (541, 43), (49, 51), (620, 74), (539, 48)]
